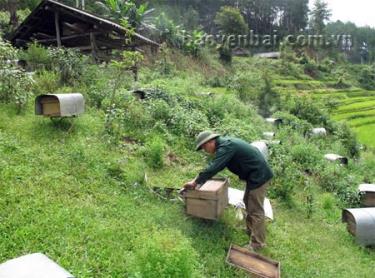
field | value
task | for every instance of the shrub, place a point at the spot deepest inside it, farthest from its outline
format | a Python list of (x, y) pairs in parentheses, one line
[(128, 118), (347, 138), (37, 57), (133, 173), (168, 31), (268, 100), (70, 64), (46, 82), (335, 179), (308, 109), (164, 254), (14, 82), (311, 69), (293, 122), (307, 156), (154, 152), (246, 85), (367, 77)]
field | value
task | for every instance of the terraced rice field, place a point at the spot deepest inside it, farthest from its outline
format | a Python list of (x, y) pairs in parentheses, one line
[(356, 106), (359, 112)]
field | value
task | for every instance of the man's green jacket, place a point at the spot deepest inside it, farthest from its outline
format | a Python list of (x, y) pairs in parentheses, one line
[(242, 159)]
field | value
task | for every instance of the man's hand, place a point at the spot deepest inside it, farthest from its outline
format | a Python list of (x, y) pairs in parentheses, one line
[(190, 185)]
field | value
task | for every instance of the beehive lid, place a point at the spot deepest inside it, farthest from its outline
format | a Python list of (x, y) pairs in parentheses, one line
[(367, 188), (253, 263), (212, 189), (212, 186), (33, 266)]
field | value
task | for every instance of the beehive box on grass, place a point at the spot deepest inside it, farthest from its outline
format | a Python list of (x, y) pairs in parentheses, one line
[(208, 201), (59, 105), (361, 224), (368, 194)]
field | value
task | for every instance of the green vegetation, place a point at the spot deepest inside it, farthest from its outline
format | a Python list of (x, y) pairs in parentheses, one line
[(82, 193), (81, 190)]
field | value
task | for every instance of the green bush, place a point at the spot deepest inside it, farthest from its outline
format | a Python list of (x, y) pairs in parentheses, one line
[(46, 82), (335, 179), (246, 85), (154, 152), (69, 63), (15, 84), (37, 57), (307, 109), (307, 156), (164, 253), (311, 69), (347, 138), (367, 77)]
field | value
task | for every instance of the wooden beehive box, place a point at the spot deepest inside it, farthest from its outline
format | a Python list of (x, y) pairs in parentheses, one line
[(368, 194), (209, 201), (50, 106)]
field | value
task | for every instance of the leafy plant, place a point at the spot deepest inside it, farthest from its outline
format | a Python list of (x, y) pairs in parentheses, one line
[(154, 152), (128, 11), (37, 57), (15, 84), (164, 254)]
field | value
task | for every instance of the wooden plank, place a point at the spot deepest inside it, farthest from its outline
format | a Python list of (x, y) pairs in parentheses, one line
[(66, 38), (51, 109), (253, 263), (93, 46), (57, 27)]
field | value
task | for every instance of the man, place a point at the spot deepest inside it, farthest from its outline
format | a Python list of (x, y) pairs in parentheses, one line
[(249, 165)]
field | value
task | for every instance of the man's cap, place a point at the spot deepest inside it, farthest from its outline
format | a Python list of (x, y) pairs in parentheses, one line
[(204, 137)]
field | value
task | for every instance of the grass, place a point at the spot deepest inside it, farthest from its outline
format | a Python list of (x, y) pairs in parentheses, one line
[(62, 197)]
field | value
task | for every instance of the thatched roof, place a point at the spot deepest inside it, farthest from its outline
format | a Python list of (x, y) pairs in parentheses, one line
[(55, 24)]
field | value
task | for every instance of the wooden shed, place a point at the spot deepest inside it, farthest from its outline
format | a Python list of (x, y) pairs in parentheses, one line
[(54, 24)]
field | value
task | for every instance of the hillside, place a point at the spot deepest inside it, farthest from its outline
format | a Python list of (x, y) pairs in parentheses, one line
[(82, 194)]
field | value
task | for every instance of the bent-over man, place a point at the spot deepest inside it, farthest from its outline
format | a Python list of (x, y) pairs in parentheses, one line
[(249, 165)]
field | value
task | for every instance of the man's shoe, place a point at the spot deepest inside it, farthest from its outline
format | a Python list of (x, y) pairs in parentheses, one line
[(257, 246)]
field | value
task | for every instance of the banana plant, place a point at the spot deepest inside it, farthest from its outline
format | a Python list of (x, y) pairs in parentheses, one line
[(127, 10)]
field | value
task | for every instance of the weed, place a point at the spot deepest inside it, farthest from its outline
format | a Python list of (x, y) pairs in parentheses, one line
[(154, 152)]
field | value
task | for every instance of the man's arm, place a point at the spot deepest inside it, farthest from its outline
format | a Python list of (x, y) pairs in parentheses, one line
[(223, 155)]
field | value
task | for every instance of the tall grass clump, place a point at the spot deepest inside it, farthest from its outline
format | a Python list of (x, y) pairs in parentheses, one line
[(164, 253), (154, 152)]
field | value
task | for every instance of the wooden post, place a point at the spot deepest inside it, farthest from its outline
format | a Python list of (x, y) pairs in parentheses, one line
[(93, 46), (57, 26)]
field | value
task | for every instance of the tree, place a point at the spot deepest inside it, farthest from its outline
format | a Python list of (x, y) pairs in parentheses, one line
[(319, 15), (294, 15), (126, 11), (230, 21), (11, 6)]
